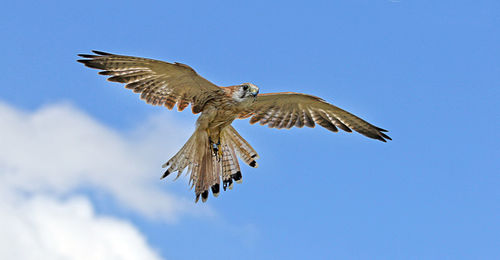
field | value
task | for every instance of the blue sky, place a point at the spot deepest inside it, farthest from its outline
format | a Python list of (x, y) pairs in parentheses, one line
[(428, 71)]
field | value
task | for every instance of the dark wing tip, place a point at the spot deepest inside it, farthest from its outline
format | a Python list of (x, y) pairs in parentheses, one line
[(101, 53), (89, 56), (165, 174), (91, 64), (381, 129), (385, 136), (381, 136)]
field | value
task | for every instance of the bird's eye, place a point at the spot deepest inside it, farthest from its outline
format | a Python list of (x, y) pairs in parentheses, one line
[(245, 87)]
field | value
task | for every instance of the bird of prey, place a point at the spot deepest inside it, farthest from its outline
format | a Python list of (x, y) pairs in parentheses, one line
[(210, 154)]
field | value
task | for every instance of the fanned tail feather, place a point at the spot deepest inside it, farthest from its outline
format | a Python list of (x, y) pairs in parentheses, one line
[(206, 169), (242, 147)]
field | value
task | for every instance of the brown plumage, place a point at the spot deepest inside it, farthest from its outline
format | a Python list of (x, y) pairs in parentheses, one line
[(211, 153)]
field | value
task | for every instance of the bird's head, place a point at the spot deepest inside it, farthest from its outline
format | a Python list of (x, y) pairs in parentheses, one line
[(245, 91)]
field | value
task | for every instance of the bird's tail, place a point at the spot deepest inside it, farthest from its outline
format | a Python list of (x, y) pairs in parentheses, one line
[(208, 166)]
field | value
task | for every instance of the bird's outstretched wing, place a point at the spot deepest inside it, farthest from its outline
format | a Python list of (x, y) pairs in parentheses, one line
[(288, 109), (159, 82)]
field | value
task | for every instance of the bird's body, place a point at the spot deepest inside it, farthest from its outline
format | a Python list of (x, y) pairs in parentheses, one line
[(221, 110), (211, 153)]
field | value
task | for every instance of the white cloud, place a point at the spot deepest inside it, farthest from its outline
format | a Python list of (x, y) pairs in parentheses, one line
[(47, 155), (44, 228), (58, 149)]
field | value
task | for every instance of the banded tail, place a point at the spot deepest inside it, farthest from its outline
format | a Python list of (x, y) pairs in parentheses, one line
[(206, 167)]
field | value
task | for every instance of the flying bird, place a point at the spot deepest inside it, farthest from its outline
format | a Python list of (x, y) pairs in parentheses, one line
[(211, 153)]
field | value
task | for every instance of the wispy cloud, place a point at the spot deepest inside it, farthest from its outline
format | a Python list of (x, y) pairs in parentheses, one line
[(58, 149), (47, 155)]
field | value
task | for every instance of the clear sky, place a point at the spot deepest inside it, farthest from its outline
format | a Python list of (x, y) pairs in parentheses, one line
[(80, 157)]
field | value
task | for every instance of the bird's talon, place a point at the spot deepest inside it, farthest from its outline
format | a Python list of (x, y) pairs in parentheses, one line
[(215, 149)]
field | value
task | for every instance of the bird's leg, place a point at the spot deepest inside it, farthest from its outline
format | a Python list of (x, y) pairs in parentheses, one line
[(216, 149), (215, 146)]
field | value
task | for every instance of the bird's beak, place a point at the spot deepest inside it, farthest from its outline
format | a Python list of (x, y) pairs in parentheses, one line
[(254, 92)]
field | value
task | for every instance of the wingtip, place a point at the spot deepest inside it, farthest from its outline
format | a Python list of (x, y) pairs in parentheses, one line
[(167, 172), (383, 137), (386, 136), (88, 56), (101, 53), (382, 129)]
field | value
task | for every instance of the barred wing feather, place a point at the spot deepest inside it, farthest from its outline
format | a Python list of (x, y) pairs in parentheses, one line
[(288, 109), (159, 83)]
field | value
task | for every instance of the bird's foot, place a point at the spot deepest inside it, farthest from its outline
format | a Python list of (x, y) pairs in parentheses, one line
[(216, 149)]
